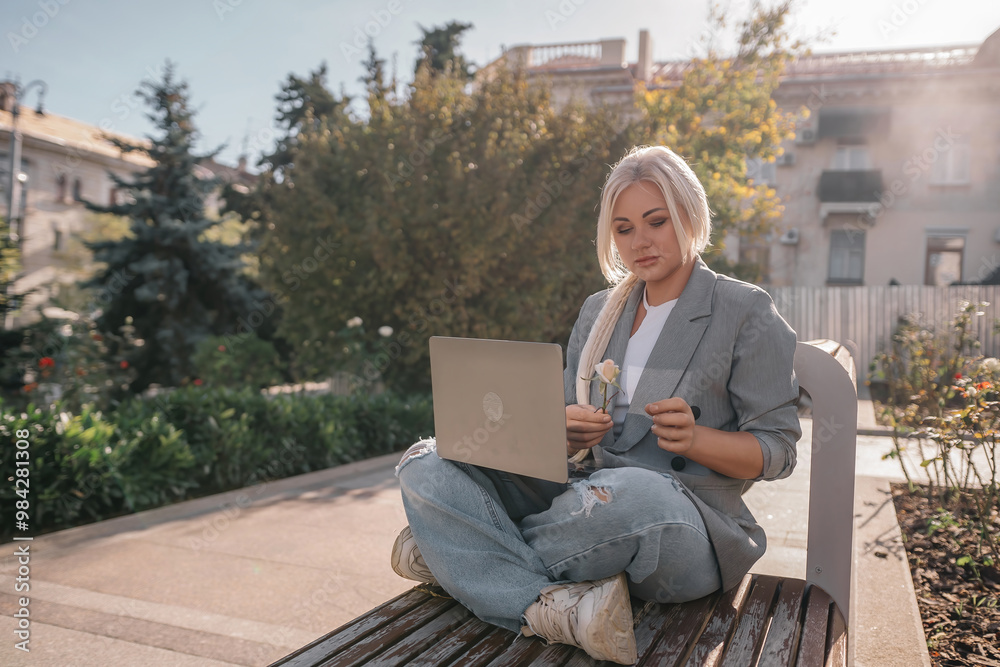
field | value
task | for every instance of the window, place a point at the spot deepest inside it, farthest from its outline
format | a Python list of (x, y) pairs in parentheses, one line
[(61, 188), (847, 256), (951, 164), (113, 197), (58, 240), (851, 158), (77, 190), (944, 260)]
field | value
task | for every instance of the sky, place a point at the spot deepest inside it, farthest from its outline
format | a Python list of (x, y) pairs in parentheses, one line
[(235, 54)]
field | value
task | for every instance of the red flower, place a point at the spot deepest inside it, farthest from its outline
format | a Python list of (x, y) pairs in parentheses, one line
[(98, 337), (46, 362), (29, 387), (79, 371), (222, 348), (958, 376), (197, 381), (123, 364)]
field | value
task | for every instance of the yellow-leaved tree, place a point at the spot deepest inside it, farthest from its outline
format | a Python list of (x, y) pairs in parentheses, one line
[(718, 112)]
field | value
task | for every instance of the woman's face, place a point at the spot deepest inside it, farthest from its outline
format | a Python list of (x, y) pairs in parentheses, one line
[(643, 232)]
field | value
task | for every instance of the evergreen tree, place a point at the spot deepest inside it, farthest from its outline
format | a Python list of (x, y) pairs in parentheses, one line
[(437, 48), (302, 103), (173, 285)]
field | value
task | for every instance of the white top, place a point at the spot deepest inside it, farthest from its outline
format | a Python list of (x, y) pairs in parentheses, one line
[(640, 345)]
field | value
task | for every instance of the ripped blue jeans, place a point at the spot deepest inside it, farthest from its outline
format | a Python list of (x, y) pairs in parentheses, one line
[(493, 545)]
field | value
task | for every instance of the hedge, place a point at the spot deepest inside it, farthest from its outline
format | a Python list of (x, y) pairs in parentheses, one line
[(189, 443)]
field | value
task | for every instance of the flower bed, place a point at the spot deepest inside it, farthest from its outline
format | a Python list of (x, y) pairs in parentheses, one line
[(958, 598), (942, 401)]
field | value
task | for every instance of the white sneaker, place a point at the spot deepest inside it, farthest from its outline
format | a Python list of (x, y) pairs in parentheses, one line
[(407, 561), (593, 615)]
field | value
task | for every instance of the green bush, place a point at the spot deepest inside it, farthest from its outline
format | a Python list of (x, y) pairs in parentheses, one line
[(226, 361), (188, 443)]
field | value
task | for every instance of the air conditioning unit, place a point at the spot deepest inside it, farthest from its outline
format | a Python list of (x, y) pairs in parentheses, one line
[(806, 135), (790, 237), (785, 160)]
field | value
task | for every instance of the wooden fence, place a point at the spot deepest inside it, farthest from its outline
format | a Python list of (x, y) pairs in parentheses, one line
[(863, 318)]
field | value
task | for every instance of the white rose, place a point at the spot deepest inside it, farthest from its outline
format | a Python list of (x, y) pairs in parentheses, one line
[(992, 365), (385, 331), (354, 322), (607, 371)]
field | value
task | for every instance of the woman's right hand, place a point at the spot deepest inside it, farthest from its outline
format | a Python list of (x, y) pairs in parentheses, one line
[(585, 427)]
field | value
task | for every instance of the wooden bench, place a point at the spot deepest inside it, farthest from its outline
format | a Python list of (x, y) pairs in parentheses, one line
[(766, 620)]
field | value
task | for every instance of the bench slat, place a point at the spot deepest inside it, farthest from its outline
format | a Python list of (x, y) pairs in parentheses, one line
[(389, 634), (423, 638), (812, 646), (312, 653), (782, 637), (711, 645), (743, 647), (522, 651), (682, 628), (836, 640), (488, 647), (452, 644)]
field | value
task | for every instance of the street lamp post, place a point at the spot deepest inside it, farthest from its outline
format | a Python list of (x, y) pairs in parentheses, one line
[(16, 177)]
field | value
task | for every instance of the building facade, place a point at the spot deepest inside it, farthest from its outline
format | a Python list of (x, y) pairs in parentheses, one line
[(64, 161), (893, 176)]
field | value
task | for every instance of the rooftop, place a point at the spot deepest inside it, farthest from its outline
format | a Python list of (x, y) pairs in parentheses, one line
[(68, 133)]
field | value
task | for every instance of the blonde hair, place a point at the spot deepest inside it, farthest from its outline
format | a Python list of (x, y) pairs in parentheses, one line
[(678, 184)]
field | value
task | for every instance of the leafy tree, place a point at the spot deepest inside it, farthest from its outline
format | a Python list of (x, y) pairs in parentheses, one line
[(453, 212), (719, 115), (175, 285), (9, 266)]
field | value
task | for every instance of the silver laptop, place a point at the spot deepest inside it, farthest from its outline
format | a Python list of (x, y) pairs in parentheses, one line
[(500, 404)]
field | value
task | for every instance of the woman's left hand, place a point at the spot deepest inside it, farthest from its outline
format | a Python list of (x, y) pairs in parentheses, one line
[(673, 424)]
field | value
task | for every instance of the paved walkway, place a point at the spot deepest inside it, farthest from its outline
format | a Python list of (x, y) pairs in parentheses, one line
[(244, 578)]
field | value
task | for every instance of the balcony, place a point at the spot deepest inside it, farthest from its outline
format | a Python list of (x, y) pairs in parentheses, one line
[(850, 186)]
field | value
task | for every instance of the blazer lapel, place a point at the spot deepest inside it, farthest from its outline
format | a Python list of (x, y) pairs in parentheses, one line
[(676, 344)]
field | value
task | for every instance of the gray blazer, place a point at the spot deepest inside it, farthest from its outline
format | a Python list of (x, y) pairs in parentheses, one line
[(726, 349)]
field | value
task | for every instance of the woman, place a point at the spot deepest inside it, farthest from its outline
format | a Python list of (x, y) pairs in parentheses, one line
[(662, 518)]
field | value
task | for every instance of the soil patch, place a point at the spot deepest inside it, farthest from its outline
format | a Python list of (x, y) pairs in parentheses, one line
[(958, 594)]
